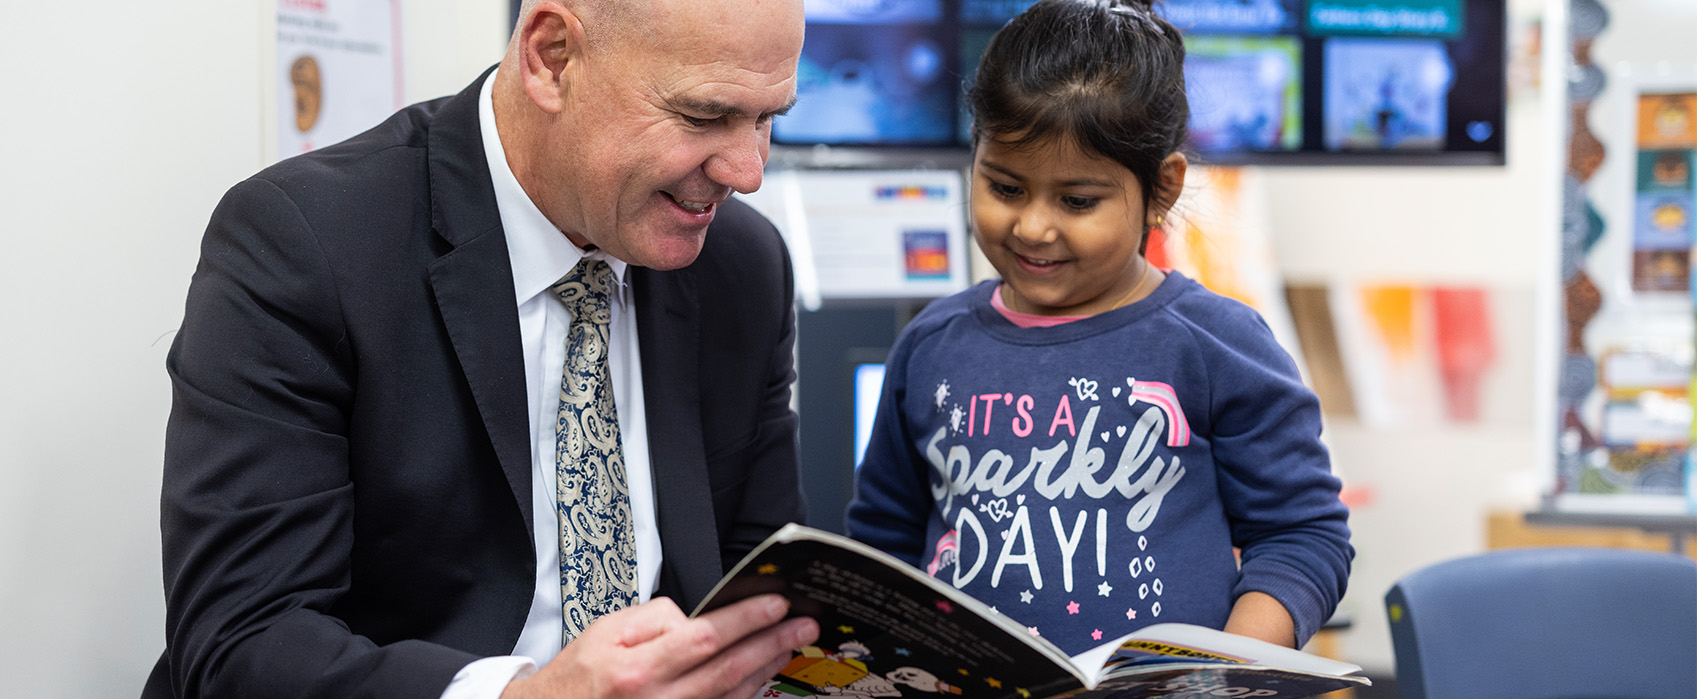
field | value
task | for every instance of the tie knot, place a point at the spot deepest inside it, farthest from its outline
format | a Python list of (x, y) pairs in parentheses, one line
[(587, 290)]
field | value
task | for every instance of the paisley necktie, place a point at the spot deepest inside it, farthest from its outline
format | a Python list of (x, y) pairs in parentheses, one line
[(597, 537)]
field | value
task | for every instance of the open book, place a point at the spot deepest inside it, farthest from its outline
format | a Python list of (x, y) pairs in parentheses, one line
[(889, 630)]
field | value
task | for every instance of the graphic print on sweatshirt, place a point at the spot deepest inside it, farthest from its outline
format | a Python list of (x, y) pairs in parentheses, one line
[(1048, 504)]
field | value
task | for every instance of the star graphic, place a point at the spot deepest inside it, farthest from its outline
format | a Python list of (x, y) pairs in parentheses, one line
[(768, 569), (1104, 588), (955, 416), (1072, 607), (846, 629), (993, 682), (962, 671), (942, 393), (1032, 630), (903, 652), (1096, 635), (1131, 614), (945, 606), (1025, 597), (1023, 692)]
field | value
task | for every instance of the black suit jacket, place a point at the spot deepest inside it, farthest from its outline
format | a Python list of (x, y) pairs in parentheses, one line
[(346, 507)]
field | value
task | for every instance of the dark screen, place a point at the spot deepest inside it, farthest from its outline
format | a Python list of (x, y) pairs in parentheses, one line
[(1269, 81)]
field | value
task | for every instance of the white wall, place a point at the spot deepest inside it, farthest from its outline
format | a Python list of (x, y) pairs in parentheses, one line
[(123, 124)]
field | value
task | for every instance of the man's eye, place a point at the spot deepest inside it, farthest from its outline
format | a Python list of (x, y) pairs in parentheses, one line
[(695, 121)]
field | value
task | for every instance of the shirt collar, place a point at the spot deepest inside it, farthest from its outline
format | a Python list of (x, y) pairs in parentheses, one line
[(538, 252)]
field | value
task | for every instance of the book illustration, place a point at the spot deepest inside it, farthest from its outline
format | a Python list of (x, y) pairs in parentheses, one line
[(888, 630)]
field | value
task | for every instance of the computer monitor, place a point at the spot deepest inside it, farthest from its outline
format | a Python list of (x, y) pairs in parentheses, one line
[(1270, 82)]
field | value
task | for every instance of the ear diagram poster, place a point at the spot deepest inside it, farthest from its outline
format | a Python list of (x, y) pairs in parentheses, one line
[(338, 70)]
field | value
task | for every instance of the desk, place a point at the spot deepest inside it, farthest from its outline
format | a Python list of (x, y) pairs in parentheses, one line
[(1676, 527), (1507, 529)]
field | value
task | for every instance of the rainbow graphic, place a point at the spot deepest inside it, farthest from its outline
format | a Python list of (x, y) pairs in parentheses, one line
[(948, 551), (1161, 396)]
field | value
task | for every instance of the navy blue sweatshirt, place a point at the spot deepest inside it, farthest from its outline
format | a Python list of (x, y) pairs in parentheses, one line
[(1092, 478)]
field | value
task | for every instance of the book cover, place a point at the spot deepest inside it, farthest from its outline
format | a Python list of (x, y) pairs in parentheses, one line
[(888, 630)]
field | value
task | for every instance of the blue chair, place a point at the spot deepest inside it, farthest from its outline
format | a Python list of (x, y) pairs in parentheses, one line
[(1547, 623)]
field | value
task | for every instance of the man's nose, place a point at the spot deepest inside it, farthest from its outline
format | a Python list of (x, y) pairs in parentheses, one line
[(741, 163)]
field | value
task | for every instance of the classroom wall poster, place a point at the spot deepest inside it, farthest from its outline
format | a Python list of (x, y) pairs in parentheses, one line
[(870, 234), (338, 70), (1663, 228)]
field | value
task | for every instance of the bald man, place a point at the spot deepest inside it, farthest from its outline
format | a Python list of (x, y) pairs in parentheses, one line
[(477, 403)]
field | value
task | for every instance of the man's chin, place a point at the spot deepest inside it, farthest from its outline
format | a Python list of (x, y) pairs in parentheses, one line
[(667, 251)]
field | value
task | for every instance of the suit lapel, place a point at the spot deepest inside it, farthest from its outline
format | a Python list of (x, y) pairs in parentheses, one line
[(668, 327), (473, 284)]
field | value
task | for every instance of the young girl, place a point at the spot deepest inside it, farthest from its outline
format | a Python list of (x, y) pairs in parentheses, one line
[(1082, 443)]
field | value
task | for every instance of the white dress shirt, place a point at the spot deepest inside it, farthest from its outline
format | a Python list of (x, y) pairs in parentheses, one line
[(540, 256)]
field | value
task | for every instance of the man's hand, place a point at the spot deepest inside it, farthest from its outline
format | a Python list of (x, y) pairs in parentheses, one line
[(653, 650)]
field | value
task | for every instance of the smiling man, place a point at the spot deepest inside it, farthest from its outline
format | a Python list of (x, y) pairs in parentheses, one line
[(476, 403)]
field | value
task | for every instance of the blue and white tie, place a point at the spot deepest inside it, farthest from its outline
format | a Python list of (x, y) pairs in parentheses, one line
[(597, 537)]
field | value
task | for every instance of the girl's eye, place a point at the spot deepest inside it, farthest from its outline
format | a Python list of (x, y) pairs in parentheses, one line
[(1079, 203), (1006, 191)]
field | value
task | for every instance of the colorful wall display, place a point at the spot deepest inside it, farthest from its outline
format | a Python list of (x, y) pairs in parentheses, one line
[(1625, 432)]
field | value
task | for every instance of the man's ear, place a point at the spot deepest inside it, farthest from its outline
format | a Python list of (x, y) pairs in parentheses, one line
[(1168, 189), (550, 50)]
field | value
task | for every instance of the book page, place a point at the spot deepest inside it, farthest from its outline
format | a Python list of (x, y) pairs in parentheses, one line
[(887, 630), (1196, 643)]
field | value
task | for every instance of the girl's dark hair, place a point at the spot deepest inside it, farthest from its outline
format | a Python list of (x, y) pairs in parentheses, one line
[(1108, 74)]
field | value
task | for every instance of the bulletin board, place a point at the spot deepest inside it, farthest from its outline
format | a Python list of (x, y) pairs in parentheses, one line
[(1624, 441)]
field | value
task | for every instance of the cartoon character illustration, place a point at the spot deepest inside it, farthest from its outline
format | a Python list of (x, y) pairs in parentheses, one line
[(869, 687), (815, 668), (921, 680), (855, 651)]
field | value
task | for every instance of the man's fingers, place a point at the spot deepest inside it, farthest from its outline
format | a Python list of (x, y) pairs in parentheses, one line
[(647, 621), (687, 645), (735, 648), (752, 685), (750, 662)]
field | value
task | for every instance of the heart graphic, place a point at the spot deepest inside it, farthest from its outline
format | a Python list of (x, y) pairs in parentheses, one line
[(1085, 388), (1020, 500), (1116, 391), (1104, 436), (1121, 430)]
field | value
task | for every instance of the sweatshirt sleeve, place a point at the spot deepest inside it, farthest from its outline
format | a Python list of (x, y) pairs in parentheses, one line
[(1275, 476)]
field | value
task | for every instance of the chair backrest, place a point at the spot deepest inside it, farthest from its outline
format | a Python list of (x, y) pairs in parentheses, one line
[(1547, 623)]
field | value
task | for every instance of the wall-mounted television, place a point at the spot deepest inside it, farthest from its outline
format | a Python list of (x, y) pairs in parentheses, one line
[(1270, 82)]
